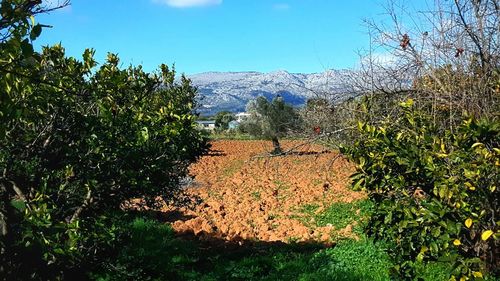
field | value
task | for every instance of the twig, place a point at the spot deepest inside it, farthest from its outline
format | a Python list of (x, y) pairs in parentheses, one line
[(85, 203), (286, 152)]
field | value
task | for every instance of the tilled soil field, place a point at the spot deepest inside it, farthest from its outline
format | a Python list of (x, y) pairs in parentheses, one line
[(249, 197)]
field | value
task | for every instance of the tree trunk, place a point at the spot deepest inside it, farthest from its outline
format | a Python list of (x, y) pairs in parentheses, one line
[(4, 202), (6, 236), (277, 148)]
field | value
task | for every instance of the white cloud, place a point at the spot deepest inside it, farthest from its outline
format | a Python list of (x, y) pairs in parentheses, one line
[(281, 6), (189, 3)]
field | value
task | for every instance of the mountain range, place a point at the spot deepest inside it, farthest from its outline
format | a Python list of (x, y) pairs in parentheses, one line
[(231, 91)]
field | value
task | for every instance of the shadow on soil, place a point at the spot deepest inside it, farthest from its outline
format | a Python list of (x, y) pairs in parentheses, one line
[(153, 250), (171, 216), (302, 153), (214, 152)]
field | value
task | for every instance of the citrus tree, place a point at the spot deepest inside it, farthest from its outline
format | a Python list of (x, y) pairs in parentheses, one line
[(76, 142), (436, 192)]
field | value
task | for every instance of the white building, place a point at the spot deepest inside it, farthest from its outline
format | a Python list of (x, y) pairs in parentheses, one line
[(206, 125), (242, 116)]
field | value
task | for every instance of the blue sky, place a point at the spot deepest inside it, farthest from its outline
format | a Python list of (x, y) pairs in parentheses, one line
[(216, 35)]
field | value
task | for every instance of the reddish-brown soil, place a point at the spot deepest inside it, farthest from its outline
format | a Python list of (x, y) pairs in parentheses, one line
[(259, 198)]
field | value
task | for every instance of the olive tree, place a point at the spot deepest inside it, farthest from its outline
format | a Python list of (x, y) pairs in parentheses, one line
[(222, 119), (271, 120)]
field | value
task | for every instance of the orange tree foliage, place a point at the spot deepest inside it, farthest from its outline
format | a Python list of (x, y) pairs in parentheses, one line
[(76, 141), (436, 192)]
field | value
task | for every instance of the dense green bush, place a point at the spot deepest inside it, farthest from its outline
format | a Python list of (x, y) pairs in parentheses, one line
[(76, 142), (436, 192)]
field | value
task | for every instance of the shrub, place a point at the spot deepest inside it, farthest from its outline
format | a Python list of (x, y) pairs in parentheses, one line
[(436, 191)]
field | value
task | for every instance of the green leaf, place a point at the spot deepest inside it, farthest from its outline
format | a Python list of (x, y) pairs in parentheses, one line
[(436, 232), (26, 48), (357, 185), (35, 32), (362, 162), (477, 144), (145, 134), (443, 191), (434, 248)]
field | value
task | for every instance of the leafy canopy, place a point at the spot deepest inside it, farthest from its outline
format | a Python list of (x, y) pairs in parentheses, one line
[(76, 142), (271, 119), (436, 192), (222, 119)]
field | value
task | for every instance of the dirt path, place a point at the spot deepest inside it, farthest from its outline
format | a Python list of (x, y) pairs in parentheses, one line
[(247, 198)]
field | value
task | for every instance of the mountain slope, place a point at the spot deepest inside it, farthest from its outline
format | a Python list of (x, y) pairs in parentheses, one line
[(232, 90)]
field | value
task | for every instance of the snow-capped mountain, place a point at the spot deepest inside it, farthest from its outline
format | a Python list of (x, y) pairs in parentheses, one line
[(232, 90)]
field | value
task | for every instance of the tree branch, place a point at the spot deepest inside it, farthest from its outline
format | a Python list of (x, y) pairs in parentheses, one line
[(484, 59), (86, 202)]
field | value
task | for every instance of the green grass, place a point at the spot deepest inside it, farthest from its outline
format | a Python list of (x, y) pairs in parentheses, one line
[(354, 260), (283, 190), (348, 261), (152, 252), (309, 209), (338, 214), (234, 167), (341, 214), (256, 195), (231, 136)]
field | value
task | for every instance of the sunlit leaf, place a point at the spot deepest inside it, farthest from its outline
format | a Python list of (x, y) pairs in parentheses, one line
[(477, 274), (477, 144), (468, 222), (486, 234)]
